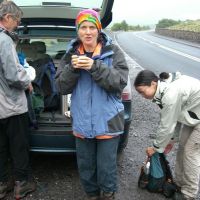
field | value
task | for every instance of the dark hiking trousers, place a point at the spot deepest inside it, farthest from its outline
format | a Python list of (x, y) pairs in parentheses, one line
[(97, 164), (14, 144)]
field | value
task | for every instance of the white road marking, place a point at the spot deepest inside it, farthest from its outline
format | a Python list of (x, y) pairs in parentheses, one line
[(170, 49)]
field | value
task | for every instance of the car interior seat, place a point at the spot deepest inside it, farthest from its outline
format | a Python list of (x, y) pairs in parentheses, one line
[(40, 48)]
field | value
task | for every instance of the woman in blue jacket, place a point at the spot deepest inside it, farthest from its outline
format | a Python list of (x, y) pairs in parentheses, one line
[(95, 71)]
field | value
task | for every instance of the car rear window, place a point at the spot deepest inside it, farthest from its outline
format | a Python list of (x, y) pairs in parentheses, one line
[(54, 47), (72, 3)]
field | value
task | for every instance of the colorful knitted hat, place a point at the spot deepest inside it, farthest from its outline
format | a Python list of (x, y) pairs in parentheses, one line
[(88, 15)]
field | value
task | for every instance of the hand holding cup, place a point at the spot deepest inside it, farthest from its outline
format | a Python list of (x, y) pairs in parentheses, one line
[(74, 60), (82, 62)]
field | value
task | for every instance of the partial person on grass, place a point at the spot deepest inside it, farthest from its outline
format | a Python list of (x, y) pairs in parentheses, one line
[(14, 122), (178, 96), (94, 70)]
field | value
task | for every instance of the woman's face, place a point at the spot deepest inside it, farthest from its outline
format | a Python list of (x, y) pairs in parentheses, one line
[(88, 34), (147, 92)]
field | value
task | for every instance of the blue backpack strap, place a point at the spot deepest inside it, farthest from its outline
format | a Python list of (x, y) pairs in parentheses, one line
[(41, 74), (52, 69)]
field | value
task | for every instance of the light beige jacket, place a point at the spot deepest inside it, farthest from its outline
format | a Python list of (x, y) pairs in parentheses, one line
[(180, 102)]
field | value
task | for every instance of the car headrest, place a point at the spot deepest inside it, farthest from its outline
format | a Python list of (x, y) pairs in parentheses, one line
[(39, 46)]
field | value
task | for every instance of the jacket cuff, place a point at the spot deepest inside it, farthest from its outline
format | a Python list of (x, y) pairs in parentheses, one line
[(158, 149), (72, 69), (94, 66)]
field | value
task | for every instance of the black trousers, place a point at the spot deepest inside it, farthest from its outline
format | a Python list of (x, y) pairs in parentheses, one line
[(14, 145)]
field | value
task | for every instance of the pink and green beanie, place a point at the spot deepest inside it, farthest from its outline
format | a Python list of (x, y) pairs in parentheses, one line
[(88, 15)]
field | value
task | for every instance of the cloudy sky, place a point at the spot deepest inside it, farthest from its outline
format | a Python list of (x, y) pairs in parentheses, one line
[(145, 12), (142, 12)]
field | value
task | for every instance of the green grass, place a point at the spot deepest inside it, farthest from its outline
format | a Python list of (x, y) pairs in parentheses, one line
[(188, 25)]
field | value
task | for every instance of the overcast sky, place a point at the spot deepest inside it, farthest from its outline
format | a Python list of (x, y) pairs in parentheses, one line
[(147, 12)]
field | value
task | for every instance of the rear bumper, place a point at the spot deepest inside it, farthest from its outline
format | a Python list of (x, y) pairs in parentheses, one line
[(52, 140), (59, 139)]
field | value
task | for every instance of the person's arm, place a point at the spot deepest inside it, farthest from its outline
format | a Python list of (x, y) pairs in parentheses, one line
[(169, 116), (112, 79), (13, 71), (66, 75)]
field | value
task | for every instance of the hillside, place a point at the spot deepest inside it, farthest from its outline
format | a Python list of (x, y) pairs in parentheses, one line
[(188, 25)]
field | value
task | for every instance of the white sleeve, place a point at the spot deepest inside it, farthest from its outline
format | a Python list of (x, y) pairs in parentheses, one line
[(30, 70)]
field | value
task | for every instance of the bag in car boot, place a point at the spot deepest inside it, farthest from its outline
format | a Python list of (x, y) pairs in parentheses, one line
[(45, 80)]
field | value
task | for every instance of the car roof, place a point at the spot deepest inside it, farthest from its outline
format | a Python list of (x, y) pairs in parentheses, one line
[(64, 13)]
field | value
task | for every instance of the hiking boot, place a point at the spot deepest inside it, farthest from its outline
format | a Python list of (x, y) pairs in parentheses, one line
[(22, 188), (108, 196), (5, 187), (181, 196), (95, 195), (93, 198)]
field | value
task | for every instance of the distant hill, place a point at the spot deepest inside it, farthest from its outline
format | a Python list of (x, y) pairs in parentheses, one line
[(188, 25)]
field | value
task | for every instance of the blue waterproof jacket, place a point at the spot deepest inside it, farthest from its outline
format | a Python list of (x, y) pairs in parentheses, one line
[(96, 106)]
